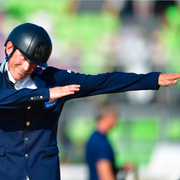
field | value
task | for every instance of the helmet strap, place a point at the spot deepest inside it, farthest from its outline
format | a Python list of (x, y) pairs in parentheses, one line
[(7, 59), (9, 56)]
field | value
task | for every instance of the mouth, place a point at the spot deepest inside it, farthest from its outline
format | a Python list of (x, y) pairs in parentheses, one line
[(20, 71), (23, 73)]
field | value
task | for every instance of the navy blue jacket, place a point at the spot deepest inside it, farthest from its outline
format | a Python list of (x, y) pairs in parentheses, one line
[(28, 120)]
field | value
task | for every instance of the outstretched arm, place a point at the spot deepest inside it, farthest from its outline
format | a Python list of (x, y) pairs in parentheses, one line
[(165, 80)]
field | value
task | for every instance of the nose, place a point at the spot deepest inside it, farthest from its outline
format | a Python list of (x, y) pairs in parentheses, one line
[(26, 65)]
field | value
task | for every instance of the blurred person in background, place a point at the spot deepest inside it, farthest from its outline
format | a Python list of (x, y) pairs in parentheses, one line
[(136, 8), (161, 6), (32, 96), (99, 153)]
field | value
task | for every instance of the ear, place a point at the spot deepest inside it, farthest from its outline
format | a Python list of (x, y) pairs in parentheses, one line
[(9, 47)]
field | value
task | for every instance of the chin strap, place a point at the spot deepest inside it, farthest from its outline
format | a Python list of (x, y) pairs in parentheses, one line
[(9, 56), (7, 59)]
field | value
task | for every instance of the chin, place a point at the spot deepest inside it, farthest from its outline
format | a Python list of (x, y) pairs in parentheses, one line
[(18, 78)]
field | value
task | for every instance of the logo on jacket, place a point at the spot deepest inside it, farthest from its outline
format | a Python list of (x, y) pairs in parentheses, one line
[(50, 103)]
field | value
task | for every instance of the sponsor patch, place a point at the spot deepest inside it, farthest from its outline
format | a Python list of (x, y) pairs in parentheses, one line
[(50, 103)]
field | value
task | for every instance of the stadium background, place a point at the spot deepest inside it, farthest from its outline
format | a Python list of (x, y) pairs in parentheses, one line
[(103, 36)]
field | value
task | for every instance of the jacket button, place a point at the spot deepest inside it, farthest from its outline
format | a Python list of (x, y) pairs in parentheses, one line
[(28, 123), (29, 107), (26, 139), (26, 155)]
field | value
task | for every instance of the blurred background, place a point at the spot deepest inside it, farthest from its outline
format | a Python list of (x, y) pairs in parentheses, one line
[(93, 37)]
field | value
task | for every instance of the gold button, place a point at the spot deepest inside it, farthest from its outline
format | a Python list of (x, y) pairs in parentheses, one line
[(28, 123), (32, 98), (29, 107)]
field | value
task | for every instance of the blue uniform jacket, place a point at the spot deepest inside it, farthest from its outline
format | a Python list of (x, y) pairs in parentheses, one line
[(28, 120)]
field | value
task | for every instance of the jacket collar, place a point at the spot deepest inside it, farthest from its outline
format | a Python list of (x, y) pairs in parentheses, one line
[(39, 79)]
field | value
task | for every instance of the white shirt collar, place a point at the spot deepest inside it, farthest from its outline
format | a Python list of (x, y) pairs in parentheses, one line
[(9, 74)]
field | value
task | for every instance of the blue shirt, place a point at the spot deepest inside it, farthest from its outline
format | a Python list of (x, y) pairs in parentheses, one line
[(98, 147)]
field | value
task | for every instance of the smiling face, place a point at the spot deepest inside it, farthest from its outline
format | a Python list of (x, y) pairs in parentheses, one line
[(18, 65)]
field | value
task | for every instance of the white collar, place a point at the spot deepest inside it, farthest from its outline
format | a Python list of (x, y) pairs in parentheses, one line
[(9, 74)]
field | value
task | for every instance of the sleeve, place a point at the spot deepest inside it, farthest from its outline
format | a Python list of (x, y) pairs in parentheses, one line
[(23, 97), (109, 82), (102, 152)]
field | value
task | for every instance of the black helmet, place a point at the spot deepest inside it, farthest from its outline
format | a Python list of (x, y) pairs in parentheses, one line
[(33, 42)]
